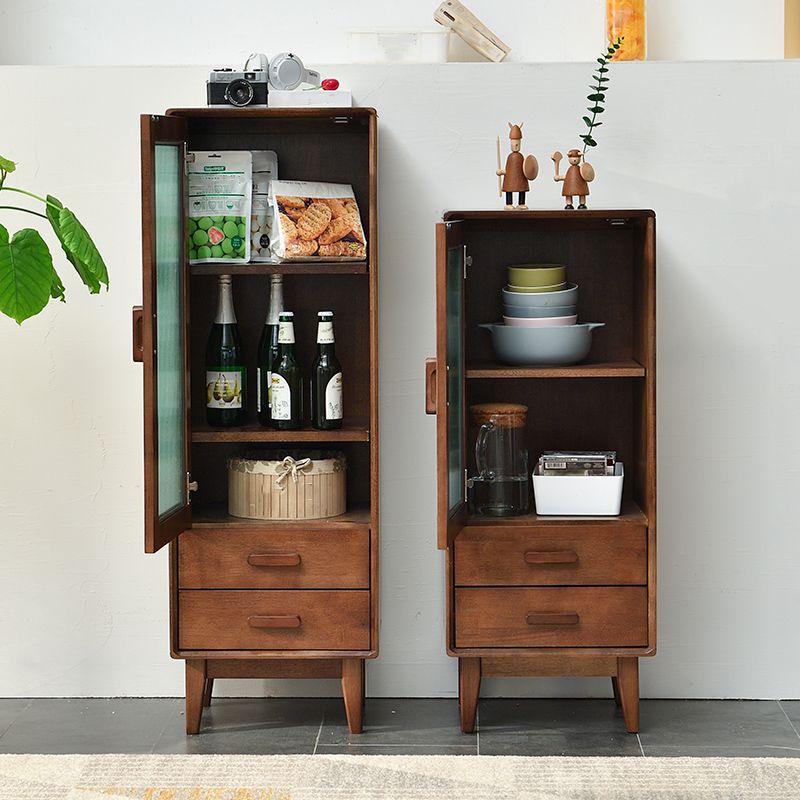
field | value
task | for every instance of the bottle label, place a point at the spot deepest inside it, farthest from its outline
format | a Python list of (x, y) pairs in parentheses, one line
[(325, 333), (281, 397), (286, 333), (224, 388), (333, 397)]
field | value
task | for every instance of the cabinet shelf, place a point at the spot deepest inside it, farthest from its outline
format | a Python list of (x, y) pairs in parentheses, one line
[(216, 516), (609, 369), (630, 514), (285, 268), (353, 430)]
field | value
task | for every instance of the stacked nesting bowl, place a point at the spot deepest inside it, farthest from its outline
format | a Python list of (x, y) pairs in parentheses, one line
[(540, 318)]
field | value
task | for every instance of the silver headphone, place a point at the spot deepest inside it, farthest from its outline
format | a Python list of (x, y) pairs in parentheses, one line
[(285, 70)]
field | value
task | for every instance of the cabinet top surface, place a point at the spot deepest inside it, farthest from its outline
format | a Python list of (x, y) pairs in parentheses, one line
[(555, 214), (323, 112)]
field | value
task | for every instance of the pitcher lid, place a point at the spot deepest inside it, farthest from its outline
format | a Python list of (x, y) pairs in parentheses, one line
[(511, 415)]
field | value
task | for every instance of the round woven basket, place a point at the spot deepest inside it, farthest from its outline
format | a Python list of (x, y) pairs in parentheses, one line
[(279, 484)]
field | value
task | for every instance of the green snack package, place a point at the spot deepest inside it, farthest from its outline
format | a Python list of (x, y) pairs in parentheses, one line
[(220, 199)]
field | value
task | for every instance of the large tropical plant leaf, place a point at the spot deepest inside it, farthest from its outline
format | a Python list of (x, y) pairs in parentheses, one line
[(26, 274), (78, 245), (7, 165)]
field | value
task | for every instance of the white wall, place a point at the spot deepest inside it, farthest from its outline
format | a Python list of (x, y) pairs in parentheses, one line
[(154, 32), (84, 612)]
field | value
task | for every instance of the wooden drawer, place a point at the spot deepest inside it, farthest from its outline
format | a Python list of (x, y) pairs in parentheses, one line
[(282, 620), (274, 559), (562, 555), (552, 617)]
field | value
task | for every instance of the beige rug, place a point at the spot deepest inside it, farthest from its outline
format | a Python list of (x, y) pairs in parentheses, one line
[(343, 777)]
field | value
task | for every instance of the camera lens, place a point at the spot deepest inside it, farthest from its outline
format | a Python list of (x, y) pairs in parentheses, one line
[(239, 92)]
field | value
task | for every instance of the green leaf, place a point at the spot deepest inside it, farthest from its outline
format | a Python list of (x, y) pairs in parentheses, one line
[(7, 165), (78, 245), (57, 287), (597, 110), (603, 69), (587, 121), (597, 124), (601, 61), (601, 79), (598, 98), (26, 269)]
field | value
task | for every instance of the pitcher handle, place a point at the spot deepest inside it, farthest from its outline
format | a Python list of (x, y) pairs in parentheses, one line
[(480, 449)]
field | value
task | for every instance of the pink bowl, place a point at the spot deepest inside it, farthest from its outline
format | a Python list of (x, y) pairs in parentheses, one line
[(542, 322)]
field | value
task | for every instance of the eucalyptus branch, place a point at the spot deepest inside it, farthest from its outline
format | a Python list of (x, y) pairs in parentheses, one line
[(598, 95)]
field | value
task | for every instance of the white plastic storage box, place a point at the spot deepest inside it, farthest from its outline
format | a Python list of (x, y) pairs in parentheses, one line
[(579, 495), (399, 46)]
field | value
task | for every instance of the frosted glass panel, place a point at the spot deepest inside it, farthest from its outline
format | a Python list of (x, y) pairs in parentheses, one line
[(455, 402), (170, 408)]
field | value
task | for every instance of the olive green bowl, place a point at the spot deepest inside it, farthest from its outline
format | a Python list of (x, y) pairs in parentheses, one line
[(537, 274), (556, 287)]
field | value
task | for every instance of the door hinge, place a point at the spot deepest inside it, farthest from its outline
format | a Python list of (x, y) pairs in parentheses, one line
[(467, 261), (466, 485), (191, 486)]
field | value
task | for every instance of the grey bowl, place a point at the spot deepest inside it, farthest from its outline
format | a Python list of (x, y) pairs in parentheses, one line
[(566, 297), (565, 344), (538, 313)]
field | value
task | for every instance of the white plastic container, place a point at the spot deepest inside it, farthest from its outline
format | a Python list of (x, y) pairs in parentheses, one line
[(388, 46), (579, 495)]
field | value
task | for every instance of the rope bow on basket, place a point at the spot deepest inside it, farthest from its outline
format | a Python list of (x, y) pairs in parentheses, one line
[(290, 466)]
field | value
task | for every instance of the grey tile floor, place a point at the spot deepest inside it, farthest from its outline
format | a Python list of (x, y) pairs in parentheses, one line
[(505, 727)]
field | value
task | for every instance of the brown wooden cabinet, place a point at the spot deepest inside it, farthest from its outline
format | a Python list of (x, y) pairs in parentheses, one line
[(254, 598), (541, 595)]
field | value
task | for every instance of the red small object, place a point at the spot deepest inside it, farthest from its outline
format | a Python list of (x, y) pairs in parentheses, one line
[(330, 84)]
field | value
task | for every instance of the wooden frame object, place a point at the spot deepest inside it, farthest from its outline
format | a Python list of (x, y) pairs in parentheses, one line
[(258, 598), (539, 595)]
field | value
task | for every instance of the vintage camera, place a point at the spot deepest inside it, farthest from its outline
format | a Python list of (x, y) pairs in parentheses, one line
[(240, 89)]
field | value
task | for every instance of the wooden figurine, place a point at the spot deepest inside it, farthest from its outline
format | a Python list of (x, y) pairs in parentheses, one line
[(518, 172), (577, 179)]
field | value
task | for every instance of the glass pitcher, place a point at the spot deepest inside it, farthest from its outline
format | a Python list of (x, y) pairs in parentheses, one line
[(501, 487)]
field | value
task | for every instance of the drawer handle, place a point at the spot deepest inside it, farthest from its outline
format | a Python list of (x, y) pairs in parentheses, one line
[(551, 557), (274, 621), (273, 559), (552, 618)]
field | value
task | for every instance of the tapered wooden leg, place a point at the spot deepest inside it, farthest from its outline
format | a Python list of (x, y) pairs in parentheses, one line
[(207, 692), (353, 692), (469, 689), (195, 689), (628, 683), (615, 688)]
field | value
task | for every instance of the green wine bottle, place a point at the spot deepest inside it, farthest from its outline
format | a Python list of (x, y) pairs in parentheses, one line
[(286, 393), (326, 378), (268, 348), (226, 384)]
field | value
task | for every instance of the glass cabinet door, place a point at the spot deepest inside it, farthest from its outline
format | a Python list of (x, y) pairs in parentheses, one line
[(166, 435), (450, 414)]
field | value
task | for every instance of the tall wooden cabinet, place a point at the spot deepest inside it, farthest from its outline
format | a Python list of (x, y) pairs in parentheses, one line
[(540, 595), (253, 598)]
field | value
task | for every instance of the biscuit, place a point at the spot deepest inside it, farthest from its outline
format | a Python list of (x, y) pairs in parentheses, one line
[(314, 221), (338, 229), (337, 206), (343, 249), (291, 202), (288, 227), (294, 213), (300, 249)]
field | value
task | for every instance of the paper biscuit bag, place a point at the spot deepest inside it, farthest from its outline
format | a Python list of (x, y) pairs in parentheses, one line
[(316, 221)]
